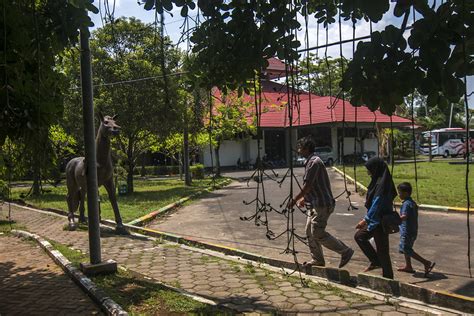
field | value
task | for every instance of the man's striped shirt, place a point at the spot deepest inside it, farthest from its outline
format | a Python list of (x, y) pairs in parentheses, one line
[(316, 175)]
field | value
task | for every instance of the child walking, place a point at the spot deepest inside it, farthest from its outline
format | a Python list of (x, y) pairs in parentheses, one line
[(409, 230)]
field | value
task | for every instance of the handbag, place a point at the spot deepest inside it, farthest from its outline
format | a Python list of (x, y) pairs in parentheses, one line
[(391, 222)]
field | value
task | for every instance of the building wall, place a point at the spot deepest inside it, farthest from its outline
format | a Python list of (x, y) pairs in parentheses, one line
[(349, 146), (246, 150), (231, 151), (370, 144), (253, 149)]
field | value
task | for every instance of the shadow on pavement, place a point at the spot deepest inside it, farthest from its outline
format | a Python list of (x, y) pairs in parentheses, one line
[(106, 232), (433, 276), (26, 290), (466, 289)]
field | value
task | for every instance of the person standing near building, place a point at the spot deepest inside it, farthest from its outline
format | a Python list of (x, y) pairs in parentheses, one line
[(316, 194)]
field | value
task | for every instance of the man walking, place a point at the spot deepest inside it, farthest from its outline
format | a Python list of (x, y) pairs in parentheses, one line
[(316, 194)]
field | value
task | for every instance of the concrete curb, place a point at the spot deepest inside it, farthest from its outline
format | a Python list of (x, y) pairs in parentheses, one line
[(411, 291), (340, 276), (424, 207), (152, 215), (379, 284), (109, 306), (360, 186)]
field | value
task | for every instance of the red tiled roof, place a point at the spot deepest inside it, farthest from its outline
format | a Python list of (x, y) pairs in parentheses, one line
[(275, 64), (323, 109)]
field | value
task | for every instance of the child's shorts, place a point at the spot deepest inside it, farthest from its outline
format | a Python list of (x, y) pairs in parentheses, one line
[(406, 244)]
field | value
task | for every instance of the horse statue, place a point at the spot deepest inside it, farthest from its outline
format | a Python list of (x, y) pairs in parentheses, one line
[(76, 174)]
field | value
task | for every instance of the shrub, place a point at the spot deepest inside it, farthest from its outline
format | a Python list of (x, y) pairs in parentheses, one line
[(3, 189), (158, 170), (197, 171)]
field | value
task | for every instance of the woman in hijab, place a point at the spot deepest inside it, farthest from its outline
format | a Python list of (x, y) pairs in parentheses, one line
[(379, 202)]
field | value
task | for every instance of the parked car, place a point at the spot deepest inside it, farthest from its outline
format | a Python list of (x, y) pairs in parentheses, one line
[(300, 161), (326, 154)]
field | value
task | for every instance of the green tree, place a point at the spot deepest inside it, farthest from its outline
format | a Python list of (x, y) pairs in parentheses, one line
[(123, 51), (325, 75), (236, 38), (440, 116), (12, 160), (63, 147), (172, 145), (43, 161), (72, 120), (229, 121), (35, 33)]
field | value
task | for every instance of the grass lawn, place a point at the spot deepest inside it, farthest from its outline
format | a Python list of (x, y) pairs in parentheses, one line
[(439, 183), (140, 297), (149, 195)]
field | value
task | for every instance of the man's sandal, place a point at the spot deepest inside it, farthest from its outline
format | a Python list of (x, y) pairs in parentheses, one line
[(429, 268)]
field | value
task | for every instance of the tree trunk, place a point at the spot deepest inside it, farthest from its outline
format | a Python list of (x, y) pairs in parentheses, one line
[(130, 177), (218, 163), (143, 170), (36, 179), (187, 171), (36, 186), (131, 166), (180, 165), (390, 152), (430, 159)]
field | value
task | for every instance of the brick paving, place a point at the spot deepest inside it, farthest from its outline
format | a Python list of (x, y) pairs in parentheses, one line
[(32, 284), (238, 286)]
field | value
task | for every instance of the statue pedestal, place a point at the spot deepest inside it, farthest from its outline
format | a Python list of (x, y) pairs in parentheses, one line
[(105, 267)]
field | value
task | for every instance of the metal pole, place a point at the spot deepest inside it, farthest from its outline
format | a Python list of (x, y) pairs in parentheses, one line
[(187, 173), (342, 42), (90, 150), (451, 115)]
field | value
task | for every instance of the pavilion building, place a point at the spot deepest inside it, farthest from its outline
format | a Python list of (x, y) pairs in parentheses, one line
[(331, 121)]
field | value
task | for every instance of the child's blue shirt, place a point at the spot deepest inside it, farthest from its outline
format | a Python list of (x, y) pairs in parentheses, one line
[(409, 227)]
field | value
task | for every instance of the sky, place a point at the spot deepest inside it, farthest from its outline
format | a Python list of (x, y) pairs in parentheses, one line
[(130, 8)]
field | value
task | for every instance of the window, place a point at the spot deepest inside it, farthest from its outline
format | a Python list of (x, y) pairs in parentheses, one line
[(443, 138)]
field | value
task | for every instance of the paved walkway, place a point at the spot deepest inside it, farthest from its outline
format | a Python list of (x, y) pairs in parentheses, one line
[(238, 286), (32, 284), (216, 219)]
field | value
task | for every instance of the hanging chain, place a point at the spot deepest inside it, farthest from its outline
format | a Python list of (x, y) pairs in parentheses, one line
[(468, 148), (341, 58)]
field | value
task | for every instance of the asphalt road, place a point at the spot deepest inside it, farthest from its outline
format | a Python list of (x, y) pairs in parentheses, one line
[(216, 218)]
